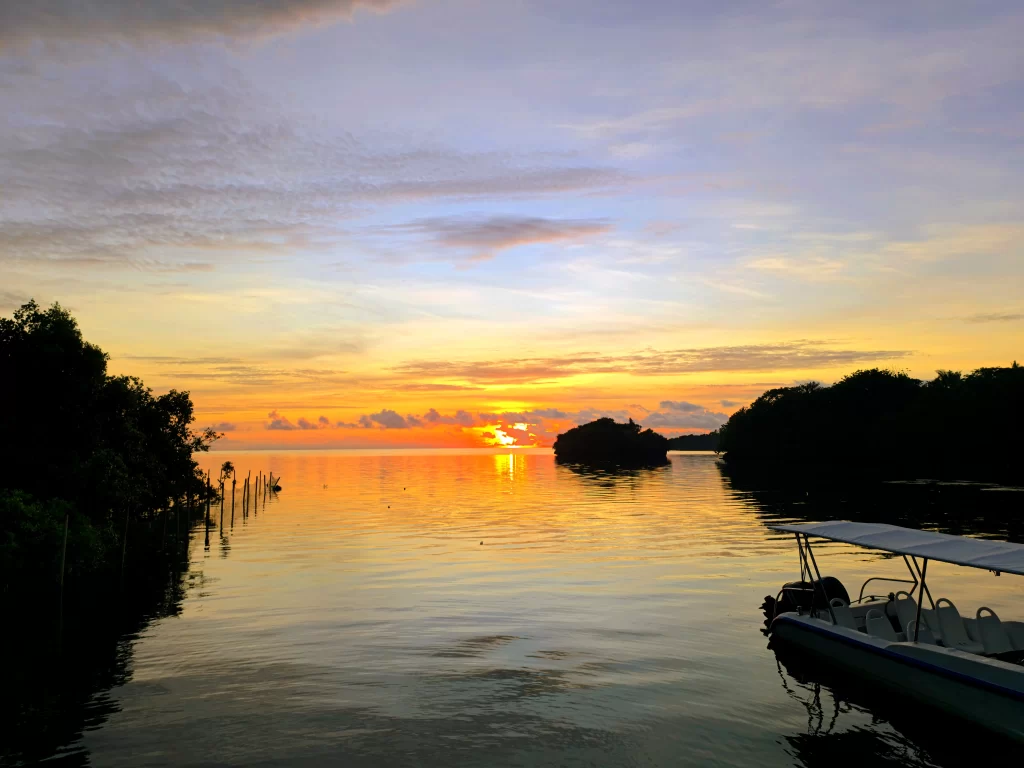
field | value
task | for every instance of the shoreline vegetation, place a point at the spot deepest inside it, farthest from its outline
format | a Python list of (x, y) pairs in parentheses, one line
[(99, 475), (706, 442), (873, 424), (885, 425)]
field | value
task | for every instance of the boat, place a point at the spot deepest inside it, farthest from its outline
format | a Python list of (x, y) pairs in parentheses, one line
[(970, 667)]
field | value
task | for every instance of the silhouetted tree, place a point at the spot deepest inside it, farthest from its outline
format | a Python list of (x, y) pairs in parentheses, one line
[(79, 442)]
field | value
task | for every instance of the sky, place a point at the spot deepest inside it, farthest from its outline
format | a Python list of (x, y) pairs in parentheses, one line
[(453, 223)]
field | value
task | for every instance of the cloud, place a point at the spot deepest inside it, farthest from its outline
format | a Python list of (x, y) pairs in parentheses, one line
[(679, 405), (277, 421), (702, 419), (137, 20), (224, 426), (163, 176), (549, 413), (386, 418), (800, 354), (995, 317), (814, 268), (462, 418), (482, 237), (728, 403), (432, 387), (541, 426), (10, 300), (322, 423)]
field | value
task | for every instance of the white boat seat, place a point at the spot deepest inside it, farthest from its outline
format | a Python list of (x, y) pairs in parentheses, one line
[(843, 614), (1015, 629), (906, 613), (971, 625), (993, 636), (924, 636), (952, 628), (878, 626)]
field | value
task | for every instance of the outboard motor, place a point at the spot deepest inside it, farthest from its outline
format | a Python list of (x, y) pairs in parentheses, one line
[(803, 596)]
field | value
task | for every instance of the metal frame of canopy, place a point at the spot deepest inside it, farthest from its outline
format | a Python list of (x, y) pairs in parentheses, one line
[(906, 542)]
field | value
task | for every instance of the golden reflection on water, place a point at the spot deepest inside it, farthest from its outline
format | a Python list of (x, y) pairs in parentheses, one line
[(390, 607)]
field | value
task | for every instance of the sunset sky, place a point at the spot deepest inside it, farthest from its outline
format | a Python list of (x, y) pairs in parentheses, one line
[(464, 222)]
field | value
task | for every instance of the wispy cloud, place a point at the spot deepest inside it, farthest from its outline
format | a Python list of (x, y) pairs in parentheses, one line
[(186, 178), (478, 238), (756, 357), (814, 268), (995, 317), (137, 20)]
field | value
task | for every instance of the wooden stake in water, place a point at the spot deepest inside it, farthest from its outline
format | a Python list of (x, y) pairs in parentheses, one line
[(124, 543), (63, 559)]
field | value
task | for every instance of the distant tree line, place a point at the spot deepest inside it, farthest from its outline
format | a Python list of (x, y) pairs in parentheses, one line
[(705, 442), (887, 423), (82, 450), (606, 441)]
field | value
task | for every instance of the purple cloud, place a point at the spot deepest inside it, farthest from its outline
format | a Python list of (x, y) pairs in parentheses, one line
[(679, 405), (279, 422)]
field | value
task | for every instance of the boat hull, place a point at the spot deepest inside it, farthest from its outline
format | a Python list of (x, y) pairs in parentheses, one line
[(987, 694)]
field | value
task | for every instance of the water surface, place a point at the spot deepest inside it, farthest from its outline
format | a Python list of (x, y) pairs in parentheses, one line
[(444, 608)]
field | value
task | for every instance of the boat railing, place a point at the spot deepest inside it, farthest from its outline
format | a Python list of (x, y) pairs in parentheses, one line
[(860, 598)]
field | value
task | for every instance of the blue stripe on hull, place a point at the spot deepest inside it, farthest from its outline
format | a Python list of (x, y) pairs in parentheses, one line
[(903, 659)]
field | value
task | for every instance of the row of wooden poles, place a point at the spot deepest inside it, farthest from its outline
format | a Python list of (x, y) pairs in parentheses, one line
[(265, 486), (257, 492)]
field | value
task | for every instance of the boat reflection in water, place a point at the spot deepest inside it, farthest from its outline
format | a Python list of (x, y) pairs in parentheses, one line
[(848, 716)]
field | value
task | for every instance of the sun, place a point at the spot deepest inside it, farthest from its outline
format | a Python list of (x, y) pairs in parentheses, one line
[(502, 438)]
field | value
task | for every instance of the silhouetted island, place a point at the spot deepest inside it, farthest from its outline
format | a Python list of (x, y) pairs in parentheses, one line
[(887, 425), (705, 442), (605, 441)]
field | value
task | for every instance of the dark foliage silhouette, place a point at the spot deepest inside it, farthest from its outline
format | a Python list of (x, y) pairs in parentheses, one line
[(887, 424), (81, 446), (706, 442), (605, 441)]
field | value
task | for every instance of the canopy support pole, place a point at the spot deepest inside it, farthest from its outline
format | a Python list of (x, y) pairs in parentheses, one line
[(917, 622), (821, 584), (804, 568), (912, 574), (924, 587)]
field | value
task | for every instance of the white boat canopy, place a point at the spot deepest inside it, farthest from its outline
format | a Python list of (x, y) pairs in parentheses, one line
[(974, 553)]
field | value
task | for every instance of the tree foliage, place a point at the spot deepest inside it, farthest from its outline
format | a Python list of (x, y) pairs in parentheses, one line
[(76, 440), (705, 442), (605, 441), (955, 425)]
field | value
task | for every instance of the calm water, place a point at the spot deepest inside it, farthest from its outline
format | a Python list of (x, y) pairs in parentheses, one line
[(472, 609)]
